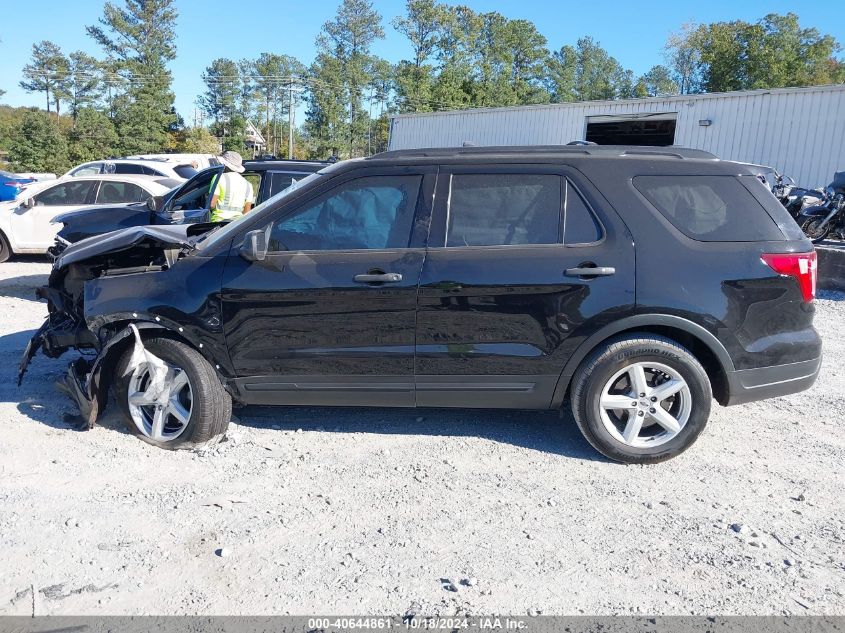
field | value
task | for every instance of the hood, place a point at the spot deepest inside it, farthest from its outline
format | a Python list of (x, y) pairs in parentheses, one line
[(163, 237), (84, 212)]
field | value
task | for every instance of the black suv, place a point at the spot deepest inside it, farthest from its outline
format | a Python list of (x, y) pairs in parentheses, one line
[(186, 203), (639, 284)]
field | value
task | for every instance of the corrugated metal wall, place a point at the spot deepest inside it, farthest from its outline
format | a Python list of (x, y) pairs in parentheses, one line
[(800, 132)]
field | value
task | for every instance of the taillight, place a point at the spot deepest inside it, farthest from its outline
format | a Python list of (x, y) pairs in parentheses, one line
[(12, 184), (802, 266)]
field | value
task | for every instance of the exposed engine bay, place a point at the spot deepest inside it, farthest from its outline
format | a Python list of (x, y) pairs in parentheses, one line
[(73, 324)]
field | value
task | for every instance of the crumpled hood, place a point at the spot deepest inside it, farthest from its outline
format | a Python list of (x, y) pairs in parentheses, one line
[(172, 236)]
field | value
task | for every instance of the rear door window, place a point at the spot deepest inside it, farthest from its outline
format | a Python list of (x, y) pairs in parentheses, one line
[(113, 192), (504, 209), (709, 208), (579, 224)]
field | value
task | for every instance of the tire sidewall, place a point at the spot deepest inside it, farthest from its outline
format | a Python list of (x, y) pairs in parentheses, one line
[(690, 371), (172, 353), (5, 249)]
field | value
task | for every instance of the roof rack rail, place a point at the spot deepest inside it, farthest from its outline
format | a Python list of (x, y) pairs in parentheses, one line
[(591, 150)]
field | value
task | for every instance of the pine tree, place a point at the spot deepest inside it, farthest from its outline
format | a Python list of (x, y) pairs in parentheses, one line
[(46, 73), (141, 40)]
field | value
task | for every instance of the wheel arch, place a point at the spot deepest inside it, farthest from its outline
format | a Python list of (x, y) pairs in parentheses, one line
[(706, 348)]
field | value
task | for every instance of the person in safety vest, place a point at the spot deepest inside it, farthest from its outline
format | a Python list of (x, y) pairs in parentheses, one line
[(233, 195)]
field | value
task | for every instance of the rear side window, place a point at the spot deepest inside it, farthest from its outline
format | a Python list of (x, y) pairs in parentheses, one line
[(119, 192), (504, 209), (279, 182), (709, 208)]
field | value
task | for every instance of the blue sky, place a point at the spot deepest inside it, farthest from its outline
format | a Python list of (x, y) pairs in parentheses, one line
[(633, 32)]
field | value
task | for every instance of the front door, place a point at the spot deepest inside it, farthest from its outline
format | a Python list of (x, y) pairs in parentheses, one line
[(521, 257), (329, 316)]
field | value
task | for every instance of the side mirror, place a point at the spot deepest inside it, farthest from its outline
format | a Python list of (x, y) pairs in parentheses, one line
[(28, 203), (155, 203), (254, 248)]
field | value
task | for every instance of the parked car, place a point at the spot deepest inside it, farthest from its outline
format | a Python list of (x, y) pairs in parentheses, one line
[(200, 160), (141, 166), (180, 206), (11, 185), (636, 284), (26, 223)]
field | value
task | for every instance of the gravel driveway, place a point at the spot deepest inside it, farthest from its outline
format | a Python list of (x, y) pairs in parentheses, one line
[(380, 511)]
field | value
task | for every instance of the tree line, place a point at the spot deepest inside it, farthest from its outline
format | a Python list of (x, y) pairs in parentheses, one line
[(123, 103)]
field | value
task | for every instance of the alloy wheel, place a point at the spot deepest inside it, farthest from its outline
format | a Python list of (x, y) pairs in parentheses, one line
[(645, 404), (161, 413)]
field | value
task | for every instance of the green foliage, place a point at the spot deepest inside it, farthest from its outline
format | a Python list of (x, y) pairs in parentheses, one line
[(341, 74), (140, 40), (587, 72), (39, 145), (774, 52), (92, 137), (46, 72), (196, 140), (82, 86), (657, 82)]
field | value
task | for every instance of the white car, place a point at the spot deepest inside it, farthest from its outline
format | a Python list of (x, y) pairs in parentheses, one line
[(26, 222), (138, 166), (202, 161)]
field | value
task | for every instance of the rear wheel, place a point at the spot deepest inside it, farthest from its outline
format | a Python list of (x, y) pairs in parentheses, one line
[(5, 249), (641, 399), (815, 231), (189, 408)]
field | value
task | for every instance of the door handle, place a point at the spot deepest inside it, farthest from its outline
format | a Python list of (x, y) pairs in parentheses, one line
[(590, 271), (375, 278)]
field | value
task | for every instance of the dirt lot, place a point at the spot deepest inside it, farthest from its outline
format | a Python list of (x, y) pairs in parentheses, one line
[(382, 511)]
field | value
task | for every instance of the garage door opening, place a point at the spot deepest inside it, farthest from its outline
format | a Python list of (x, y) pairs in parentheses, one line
[(650, 129)]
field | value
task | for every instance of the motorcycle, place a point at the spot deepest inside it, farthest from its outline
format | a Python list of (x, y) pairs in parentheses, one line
[(828, 217)]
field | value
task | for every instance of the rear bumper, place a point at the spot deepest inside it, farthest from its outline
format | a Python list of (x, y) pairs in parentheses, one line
[(748, 385)]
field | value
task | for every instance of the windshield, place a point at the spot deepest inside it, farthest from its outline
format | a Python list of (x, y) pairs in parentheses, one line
[(226, 232)]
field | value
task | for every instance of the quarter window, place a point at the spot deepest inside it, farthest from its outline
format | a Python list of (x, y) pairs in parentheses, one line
[(709, 208), (504, 209), (367, 213)]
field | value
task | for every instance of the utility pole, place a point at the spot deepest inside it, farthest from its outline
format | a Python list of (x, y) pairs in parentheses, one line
[(290, 119)]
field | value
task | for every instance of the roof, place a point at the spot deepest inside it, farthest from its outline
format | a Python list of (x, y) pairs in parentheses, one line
[(605, 151), (284, 164), (687, 98)]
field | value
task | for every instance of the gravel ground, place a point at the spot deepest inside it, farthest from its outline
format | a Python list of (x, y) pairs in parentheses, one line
[(381, 511)]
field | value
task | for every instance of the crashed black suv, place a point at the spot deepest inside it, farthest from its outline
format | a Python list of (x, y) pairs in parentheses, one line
[(638, 284)]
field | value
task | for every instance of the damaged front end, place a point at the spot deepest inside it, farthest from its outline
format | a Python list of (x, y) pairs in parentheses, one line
[(127, 252)]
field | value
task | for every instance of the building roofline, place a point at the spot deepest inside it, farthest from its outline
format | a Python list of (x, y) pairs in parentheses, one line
[(608, 102)]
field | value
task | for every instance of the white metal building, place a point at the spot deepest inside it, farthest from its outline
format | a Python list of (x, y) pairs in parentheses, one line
[(798, 131)]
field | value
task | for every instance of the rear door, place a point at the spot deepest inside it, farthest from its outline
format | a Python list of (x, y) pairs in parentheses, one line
[(523, 262)]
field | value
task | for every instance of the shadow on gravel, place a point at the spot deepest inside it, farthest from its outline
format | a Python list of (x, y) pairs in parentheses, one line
[(544, 431), (23, 287)]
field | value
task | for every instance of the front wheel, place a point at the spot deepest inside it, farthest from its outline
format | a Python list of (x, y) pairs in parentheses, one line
[(814, 230), (184, 408), (5, 248), (641, 399)]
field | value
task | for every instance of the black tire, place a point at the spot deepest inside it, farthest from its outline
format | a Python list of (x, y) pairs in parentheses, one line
[(816, 236), (211, 408), (5, 249), (605, 362)]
